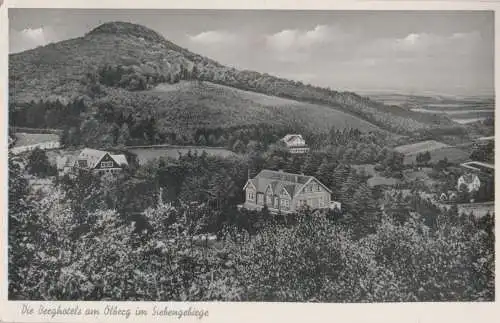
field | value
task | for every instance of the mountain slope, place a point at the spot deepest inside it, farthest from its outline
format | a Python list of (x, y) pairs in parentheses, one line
[(127, 59), (214, 105)]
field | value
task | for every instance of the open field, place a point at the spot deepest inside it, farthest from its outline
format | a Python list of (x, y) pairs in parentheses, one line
[(420, 147), (145, 155), (438, 151), (455, 112), (191, 103), (469, 120), (454, 155), (462, 110), (26, 139), (461, 115)]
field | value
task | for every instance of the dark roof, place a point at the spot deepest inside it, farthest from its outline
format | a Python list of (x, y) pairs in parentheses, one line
[(283, 176), (278, 180)]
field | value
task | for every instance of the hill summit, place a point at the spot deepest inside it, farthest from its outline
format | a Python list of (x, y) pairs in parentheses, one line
[(120, 27)]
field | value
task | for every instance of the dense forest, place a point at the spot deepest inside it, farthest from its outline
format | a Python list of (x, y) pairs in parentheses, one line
[(108, 239)]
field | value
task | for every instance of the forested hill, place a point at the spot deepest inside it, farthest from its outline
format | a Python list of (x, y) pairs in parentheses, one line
[(131, 59)]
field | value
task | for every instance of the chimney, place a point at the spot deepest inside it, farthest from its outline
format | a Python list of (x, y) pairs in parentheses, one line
[(280, 170), (248, 173)]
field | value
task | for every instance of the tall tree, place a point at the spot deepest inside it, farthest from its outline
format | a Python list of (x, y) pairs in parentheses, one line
[(123, 135)]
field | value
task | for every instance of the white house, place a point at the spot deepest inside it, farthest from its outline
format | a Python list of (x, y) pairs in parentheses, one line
[(100, 161), (471, 181), (295, 144)]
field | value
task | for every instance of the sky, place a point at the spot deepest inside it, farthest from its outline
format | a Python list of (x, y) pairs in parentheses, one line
[(411, 52)]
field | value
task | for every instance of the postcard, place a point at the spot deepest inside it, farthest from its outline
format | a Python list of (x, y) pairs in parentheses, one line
[(248, 161)]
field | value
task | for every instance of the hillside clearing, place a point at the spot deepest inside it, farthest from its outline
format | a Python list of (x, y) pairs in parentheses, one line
[(26, 139), (145, 155), (191, 102), (420, 147), (438, 151)]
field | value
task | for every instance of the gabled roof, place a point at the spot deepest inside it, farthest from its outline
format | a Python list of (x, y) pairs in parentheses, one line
[(251, 182), (292, 183), (93, 156), (120, 159), (289, 137)]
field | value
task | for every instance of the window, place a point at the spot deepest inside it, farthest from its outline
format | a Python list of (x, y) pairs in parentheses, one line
[(107, 164), (321, 202), (276, 202), (285, 204), (260, 198), (269, 197)]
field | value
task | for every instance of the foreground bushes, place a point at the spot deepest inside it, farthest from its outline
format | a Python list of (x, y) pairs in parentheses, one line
[(314, 260)]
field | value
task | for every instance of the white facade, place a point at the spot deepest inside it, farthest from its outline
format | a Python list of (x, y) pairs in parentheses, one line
[(471, 181), (295, 144)]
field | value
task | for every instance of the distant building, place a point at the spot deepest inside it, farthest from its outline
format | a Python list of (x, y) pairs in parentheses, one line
[(295, 144), (449, 196), (286, 192), (471, 181), (100, 161)]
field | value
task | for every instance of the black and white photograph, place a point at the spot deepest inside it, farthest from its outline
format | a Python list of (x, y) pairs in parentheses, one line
[(202, 155)]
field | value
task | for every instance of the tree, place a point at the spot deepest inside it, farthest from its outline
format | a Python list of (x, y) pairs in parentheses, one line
[(123, 136), (339, 177), (324, 172), (463, 193), (39, 165), (426, 157), (364, 210), (18, 186)]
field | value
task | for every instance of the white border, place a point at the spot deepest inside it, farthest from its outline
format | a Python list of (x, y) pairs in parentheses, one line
[(249, 312)]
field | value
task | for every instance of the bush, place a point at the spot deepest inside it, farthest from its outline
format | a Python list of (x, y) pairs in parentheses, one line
[(39, 165)]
